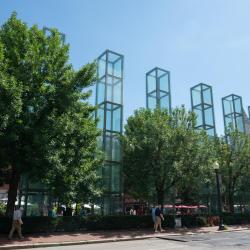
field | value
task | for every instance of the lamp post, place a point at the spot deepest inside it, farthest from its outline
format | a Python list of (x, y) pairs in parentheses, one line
[(216, 167)]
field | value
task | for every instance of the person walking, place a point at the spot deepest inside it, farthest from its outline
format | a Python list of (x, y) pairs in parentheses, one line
[(153, 215), (158, 218), (17, 222)]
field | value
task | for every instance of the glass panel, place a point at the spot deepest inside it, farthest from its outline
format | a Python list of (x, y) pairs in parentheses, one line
[(37, 205), (117, 119), (196, 96), (164, 82), (116, 149), (239, 123), (229, 122), (165, 102), (108, 149), (237, 105), (110, 68), (162, 93), (100, 116), (106, 177), (210, 132), (207, 96), (109, 93), (228, 106), (151, 102), (112, 57), (198, 113), (116, 205), (115, 178), (102, 66), (118, 68), (152, 94), (117, 92), (106, 205), (101, 91), (108, 119), (209, 116), (151, 82)]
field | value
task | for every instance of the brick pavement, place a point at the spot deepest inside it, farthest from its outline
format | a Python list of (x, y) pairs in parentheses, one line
[(99, 236)]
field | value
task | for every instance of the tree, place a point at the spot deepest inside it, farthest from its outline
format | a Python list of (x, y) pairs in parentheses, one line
[(233, 152), (161, 150), (47, 130)]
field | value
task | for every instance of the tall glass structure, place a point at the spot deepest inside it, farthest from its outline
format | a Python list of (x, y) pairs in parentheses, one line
[(233, 113), (248, 112), (158, 89), (203, 107), (109, 100)]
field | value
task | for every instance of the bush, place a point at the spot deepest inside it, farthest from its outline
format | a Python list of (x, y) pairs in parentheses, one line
[(201, 221), (75, 223), (96, 222), (236, 219), (168, 221), (193, 221)]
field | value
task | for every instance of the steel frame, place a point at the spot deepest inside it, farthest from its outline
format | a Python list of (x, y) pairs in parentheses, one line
[(158, 89), (203, 106), (109, 105), (233, 115)]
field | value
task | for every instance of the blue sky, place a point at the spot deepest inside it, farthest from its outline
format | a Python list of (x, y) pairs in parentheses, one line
[(197, 40)]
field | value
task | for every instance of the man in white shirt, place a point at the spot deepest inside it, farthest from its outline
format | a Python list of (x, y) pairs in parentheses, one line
[(17, 223)]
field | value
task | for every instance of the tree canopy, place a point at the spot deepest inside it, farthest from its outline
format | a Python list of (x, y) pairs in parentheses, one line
[(47, 128), (162, 150)]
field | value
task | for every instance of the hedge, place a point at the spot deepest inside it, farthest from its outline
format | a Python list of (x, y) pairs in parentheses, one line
[(91, 223), (74, 223)]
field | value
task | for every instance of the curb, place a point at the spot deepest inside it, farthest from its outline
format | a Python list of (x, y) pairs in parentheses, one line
[(84, 242), (72, 243)]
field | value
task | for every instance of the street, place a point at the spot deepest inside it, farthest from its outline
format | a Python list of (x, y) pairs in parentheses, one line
[(215, 241)]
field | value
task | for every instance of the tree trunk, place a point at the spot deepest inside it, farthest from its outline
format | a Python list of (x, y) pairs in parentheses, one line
[(12, 192)]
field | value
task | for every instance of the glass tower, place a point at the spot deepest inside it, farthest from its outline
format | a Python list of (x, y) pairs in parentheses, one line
[(158, 89), (109, 100), (233, 113), (203, 107)]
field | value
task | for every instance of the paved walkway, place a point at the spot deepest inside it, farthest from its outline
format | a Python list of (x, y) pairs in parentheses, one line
[(73, 238)]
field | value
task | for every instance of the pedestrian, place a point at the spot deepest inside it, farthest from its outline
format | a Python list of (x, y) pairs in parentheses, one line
[(68, 211), (131, 211), (17, 222), (153, 215), (158, 218)]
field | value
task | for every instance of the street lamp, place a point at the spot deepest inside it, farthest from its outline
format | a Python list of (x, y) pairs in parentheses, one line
[(216, 167)]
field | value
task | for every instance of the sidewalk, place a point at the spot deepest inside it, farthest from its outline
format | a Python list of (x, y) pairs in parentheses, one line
[(75, 238)]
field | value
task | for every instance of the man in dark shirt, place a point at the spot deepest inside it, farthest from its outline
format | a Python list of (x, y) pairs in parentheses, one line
[(158, 218)]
